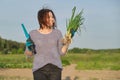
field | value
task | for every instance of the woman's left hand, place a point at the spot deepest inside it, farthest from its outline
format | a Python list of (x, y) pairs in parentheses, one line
[(67, 39)]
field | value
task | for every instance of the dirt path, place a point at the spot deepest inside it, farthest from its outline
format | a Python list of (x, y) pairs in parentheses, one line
[(69, 73)]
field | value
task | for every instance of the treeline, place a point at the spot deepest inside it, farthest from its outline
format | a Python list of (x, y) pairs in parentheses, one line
[(90, 51), (11, 47)]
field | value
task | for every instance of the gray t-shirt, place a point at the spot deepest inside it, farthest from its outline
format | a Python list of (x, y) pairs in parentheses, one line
[(48, 48)]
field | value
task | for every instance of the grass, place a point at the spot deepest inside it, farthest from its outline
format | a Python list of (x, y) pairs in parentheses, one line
[(93, 61), (14, 78), (14, 61)]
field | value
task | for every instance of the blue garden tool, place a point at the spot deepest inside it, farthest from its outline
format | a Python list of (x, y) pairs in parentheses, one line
[(29, 43)]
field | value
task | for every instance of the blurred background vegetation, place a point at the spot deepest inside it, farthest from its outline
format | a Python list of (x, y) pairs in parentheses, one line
[(12, 56), (11, 47)]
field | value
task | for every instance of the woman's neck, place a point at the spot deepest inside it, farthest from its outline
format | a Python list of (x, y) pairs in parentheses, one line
[(45, 30)]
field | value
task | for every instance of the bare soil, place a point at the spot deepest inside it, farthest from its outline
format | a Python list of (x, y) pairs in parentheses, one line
[(68, 73)]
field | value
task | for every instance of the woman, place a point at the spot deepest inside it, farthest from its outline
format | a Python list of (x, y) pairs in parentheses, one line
[(49, 46)]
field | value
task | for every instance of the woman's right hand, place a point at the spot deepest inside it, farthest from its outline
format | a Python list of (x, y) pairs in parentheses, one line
[(28, 53)]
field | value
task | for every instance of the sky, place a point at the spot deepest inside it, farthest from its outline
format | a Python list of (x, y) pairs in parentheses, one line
[(101, 28)]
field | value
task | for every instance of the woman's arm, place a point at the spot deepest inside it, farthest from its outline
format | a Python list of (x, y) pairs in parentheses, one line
[(66, 42), (65, 48), (28, 52)]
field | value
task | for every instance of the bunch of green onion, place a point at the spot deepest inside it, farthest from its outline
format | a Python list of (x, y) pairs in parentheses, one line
[(75, 22)]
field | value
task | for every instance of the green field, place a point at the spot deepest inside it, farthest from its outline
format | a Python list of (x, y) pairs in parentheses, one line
[(107, 61), (14, 61), (84, 61)]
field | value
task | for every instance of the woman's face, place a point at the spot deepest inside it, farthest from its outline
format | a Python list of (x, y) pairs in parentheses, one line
[(50, 19)]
